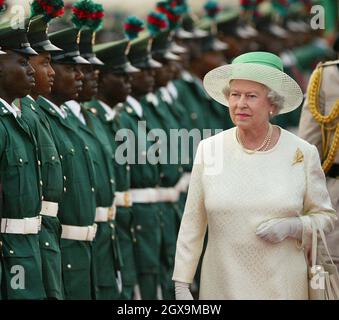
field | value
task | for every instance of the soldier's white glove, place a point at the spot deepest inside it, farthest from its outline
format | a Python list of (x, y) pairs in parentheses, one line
[(276, 230), (182, 291)]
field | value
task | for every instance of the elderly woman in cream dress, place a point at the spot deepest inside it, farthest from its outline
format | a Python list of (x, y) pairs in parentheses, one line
[(256, 187)]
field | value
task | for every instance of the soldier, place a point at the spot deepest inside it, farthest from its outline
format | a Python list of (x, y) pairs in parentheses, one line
[(77, 206), (106, 252), (49, 160), (20, 174), (114, 87), (319, 125), (144, 173)]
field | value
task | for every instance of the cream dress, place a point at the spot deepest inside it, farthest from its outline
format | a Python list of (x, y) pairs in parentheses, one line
[(233, 192)]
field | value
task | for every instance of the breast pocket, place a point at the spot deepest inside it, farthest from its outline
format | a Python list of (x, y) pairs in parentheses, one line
[(51, 169), (16, 173)]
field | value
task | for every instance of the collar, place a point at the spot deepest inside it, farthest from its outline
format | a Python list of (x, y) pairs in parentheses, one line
[(135, 104), (172, 90), (75, 108), (152, 98), (187, 76), (13, 109), (165, 95), (58, 110), (110, 113)]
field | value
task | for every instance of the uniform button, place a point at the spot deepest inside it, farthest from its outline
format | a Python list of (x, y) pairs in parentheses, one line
[(162, 175), (20, 160), (86, 148), (138, 227), (92, 189), (72, 150), (41, 183), (113, 237), (129, 109), (42, 198), (39, 163), (65, 178), (194, 116), (180, 169), (127, 168), (69, 266), (65, 189), (11, 251), (112, 181), (47, 244), (53, 157), (111, 225), (61, 157)]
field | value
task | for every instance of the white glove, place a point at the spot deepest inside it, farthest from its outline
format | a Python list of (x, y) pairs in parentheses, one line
[(182, 291), (276, 230)]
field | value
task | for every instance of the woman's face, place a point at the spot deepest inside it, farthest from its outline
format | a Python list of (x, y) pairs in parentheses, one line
[(249, 106)]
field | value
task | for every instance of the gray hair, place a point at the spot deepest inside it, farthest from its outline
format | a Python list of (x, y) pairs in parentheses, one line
[(274, 97)]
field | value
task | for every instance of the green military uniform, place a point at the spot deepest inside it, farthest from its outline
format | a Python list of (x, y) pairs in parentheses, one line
[(145, 214), (123, 219), (21, 193), (113, 55), (77, 206), (52, 190), (51, 170), (20, 179), (106, 251)]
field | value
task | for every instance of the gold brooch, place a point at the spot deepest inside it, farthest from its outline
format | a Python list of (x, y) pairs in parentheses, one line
[(298, 157)]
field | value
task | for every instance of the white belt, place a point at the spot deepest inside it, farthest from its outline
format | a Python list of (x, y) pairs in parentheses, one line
[(105, 214), (154, 195), (183, 183), (49, 208), (168, 194), (86, 233), (146, 195), (123, 199), (21, 226)]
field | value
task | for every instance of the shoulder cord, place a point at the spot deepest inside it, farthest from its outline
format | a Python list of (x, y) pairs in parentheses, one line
[(329, 151)]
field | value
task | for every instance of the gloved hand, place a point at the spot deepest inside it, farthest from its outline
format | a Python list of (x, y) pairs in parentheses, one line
[(182, 291), (276, 230)]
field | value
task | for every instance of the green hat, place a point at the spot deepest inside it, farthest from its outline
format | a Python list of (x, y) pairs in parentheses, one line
[(15, 39), (262, 67), (113, 54), (67, 39), (38, 35), (139, 54), (87, 38), (161, 47)]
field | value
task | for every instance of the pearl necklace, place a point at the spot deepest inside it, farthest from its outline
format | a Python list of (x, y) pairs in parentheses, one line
[(263, 146)]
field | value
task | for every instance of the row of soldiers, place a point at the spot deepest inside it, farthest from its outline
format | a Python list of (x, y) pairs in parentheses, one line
[(75, 222)]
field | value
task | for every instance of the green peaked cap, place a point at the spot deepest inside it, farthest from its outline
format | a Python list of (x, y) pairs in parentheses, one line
[(113, 54), (15, 39), (67, 39), (38, 35), (139, 54)]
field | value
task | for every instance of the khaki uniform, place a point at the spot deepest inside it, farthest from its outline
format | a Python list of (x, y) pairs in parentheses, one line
[(310, 130)]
